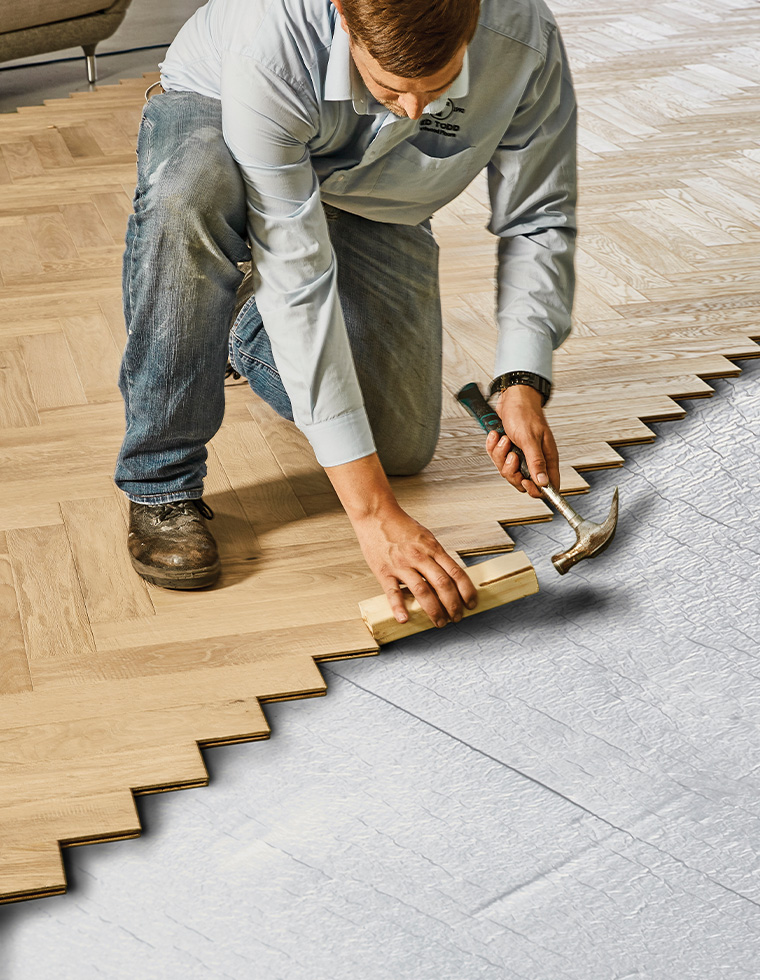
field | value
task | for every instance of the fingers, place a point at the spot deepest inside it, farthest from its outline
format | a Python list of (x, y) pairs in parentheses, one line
[(541, 455), (441, 589), (396, 601), (543, 465), (506, 462), (551, 455), (537, 466)]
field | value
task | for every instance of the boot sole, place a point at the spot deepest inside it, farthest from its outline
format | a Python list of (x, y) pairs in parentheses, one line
[(195, 578)]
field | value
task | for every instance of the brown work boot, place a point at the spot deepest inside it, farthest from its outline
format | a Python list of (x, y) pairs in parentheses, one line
[(170, 545)]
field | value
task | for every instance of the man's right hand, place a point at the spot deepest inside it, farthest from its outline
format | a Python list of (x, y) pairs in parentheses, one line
[(398, 549)]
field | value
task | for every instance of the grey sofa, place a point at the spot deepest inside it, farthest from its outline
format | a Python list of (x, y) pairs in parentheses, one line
[(30, 27)]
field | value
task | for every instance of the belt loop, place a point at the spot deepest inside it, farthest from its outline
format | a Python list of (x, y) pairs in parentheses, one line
[(150, 89)]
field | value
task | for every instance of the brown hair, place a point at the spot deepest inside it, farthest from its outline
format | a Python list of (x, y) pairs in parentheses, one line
[(411, 38)]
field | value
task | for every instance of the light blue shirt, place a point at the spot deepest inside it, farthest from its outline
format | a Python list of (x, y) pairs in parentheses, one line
[(303, 129)]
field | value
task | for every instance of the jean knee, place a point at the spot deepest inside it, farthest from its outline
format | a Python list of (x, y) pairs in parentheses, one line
[(406, 458), (199, 190)]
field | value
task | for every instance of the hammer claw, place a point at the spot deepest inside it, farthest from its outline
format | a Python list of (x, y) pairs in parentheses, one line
[(592, 539)]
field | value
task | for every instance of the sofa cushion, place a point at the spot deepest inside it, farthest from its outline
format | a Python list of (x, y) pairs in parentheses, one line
[(17, 15)]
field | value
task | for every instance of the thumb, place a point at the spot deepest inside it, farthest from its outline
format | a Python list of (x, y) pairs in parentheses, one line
[(537, 466)]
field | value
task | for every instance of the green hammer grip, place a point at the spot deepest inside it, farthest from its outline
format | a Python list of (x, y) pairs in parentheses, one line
[(472, 399)]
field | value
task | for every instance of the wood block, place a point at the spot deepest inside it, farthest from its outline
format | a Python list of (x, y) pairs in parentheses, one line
[(498, 581)]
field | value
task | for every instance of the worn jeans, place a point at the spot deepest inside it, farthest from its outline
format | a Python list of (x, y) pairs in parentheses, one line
[(180, 280)]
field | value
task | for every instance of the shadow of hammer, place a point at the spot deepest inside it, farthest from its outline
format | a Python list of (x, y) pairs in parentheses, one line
[(591, 539)]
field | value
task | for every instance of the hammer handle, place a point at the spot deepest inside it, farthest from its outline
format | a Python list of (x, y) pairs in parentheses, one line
[(472, 399)]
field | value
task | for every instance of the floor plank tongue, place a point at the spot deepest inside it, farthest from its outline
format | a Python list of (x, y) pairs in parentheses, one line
[(111, 687)]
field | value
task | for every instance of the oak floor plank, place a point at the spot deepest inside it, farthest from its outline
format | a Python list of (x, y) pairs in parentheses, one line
[(22, 160), (145, 766), (53, 376), (256, 476), (112, 309), (14, 667), (52, 238), (31, 869), (18, 255), (291, 449), (57, 631), (86, 225), (95, 356), (80, 141), (96, 535), (72, 820), (52, 149), (20, 515), (126, 696), (114, 209), (5, 177), (232, 529), (17, 404)]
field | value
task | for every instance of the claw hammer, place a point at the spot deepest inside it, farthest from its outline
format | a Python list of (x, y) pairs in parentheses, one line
[(591, 539)]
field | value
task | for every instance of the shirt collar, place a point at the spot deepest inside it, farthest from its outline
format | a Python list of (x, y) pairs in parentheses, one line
[(343, 82)]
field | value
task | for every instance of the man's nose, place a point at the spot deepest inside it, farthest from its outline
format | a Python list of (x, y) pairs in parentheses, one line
[(412, 104)]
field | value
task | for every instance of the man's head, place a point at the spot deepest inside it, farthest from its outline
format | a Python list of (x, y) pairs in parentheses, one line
[(408, 52)]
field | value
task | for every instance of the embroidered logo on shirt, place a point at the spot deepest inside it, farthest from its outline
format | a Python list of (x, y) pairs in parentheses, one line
[(441, 123)]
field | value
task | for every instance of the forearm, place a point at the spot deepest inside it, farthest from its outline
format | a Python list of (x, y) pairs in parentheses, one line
[(363, 488), (397, 548)]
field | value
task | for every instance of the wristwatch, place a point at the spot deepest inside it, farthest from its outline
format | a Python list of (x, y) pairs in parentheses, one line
[(522, 378)]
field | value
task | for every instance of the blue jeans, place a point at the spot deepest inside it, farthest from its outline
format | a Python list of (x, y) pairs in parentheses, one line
[(180, 280)]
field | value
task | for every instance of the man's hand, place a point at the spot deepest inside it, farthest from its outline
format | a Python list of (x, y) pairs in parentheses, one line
[(522, 416), (399, 551), (397, 548)]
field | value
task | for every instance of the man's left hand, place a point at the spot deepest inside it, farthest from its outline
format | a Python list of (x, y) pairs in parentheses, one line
[(522, 416)]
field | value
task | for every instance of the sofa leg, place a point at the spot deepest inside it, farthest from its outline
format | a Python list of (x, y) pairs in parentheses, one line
[(92, 65)]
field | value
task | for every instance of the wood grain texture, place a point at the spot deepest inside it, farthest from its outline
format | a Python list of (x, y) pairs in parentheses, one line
[(109, 685)]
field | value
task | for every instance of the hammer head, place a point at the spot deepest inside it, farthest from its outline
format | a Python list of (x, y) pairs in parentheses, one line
[(592, 539)]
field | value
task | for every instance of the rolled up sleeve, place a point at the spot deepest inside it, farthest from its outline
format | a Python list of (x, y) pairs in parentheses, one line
[(532, 182), (268, 120)]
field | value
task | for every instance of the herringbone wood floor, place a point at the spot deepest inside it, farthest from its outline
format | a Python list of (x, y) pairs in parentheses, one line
[(108, 685)]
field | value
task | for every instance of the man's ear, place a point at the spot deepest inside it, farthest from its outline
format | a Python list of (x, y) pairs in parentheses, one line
[(339, 8)]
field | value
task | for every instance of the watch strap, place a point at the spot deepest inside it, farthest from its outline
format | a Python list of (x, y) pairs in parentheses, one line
[(522, 378)]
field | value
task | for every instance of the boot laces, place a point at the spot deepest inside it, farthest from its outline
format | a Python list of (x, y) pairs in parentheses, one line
[(185, 508)]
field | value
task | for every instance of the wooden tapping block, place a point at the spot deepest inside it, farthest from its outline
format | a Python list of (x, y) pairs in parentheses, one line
[(498, 581)]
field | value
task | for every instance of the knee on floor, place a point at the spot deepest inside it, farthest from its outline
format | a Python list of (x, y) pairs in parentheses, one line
[(405, 457)]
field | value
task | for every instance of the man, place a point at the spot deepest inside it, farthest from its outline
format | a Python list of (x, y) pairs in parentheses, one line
[(316, 139)]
